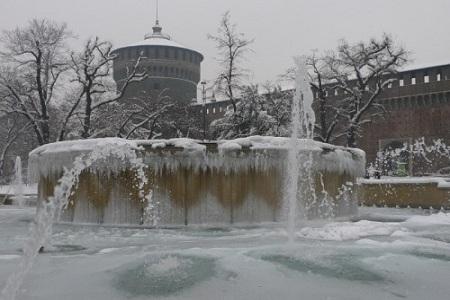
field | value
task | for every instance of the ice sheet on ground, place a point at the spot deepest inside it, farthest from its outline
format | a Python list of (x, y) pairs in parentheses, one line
[(351, 260)]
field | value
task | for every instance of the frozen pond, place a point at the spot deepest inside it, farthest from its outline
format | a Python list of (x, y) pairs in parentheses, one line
[(388, 254)]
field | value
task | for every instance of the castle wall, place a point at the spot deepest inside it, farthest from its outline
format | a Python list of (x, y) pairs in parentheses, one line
[(417, 105), (172, 69)]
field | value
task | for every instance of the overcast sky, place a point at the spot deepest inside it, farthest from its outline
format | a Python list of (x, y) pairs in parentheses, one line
[(281, 28)]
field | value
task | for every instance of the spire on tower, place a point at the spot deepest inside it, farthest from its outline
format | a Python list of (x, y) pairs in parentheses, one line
[(157, 29), (157, 13)]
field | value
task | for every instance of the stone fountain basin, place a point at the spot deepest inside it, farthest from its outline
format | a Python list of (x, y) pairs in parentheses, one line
[(193, 182)]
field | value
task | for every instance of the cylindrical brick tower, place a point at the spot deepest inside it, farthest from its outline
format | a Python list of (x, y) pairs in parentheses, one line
[(170, 66)]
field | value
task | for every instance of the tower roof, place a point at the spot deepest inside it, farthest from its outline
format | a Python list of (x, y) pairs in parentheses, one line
[(157, 38)]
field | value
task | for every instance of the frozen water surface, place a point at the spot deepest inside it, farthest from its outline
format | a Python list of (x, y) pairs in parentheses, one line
[(383, 254)]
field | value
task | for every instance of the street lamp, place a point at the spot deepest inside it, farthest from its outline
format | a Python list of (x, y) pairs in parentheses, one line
[(203, 83)]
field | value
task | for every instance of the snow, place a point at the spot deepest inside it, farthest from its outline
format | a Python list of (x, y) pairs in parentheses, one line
[(343, 231), (257, 142), (53, 158), (442, 182), (27, 189), (268, 152), (440, 218), (336, 159), (187, 144), (155, 41), (78, 145), (415, 66), (410, 220), (230, 146), (108, 250), (9, 257), (363, 229)]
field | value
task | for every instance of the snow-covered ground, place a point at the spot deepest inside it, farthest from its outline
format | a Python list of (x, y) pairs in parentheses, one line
[(442, 182), (384, 254)]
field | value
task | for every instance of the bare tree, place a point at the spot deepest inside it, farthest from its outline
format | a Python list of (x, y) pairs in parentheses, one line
[(251, 118), (93, 69), (278, 104), (33, 62), (13, 128), (363, 71), (145, 118), (183, 120), (327, 114), (232, 48)]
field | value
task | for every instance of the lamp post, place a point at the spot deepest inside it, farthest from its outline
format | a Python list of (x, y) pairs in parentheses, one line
[(203, 83)]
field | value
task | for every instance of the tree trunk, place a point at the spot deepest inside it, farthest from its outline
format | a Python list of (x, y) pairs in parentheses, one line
[(323, 120), (44, 126), (87, 117), (45, 130), (351, 136)]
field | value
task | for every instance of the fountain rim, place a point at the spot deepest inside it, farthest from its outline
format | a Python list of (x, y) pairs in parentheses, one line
[(246, 143), (53, 158)]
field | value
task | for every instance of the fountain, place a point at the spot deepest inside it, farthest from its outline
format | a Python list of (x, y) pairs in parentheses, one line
[(196, 183), (298, 181), (18, 198)]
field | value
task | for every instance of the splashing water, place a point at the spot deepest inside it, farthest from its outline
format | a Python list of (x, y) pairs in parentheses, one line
[(50, 210), (18, 182), (302, 120)]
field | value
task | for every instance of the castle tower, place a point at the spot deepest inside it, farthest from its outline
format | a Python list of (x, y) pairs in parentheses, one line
[(170, 67)]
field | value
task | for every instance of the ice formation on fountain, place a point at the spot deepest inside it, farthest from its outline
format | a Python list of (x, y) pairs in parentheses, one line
[(50, 210), (51, 159), (223, 182)]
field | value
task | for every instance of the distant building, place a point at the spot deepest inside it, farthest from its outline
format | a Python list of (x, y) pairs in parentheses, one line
[(212, 108), (169, 65), (417, 105)]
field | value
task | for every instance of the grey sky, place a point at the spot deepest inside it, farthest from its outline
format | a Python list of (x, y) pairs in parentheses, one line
[(281, 28)]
